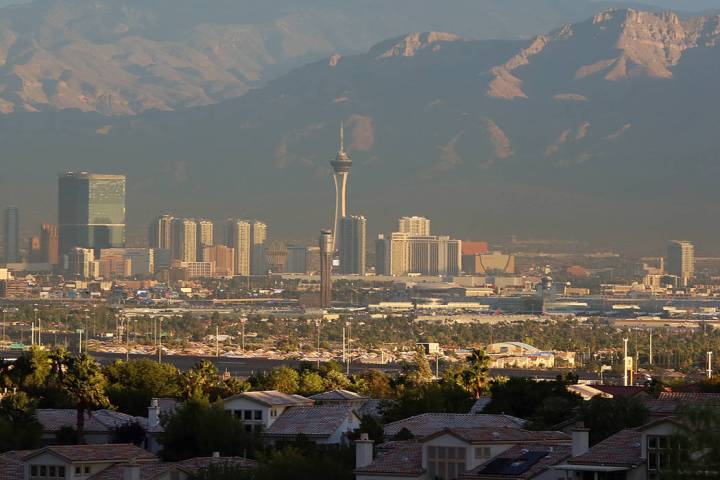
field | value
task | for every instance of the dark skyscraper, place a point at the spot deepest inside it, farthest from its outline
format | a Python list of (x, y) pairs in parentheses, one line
[(12, 235), (49, 243), (352, 244), (326, 254), (91, 211)]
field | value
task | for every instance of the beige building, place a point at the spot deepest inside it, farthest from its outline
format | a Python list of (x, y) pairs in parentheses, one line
[(223, 259), (258, 265), (205, 236), (237, 236), (483, 264), (197, 269), (414, 226), (184, 240), (401, 254)]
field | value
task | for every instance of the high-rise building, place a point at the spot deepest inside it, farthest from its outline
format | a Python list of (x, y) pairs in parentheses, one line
[(313, 259), (91, 211), (12, 235), (80, 263), (49, 244), (223, 259), (326, 254), (276, 254), (297, 259), (419, 226), (160, 233), (680, 260), (141, 260), (401, 253), (184, 240), (341, 169), (258, 265), (353, 244), (205, 236), (237, 236), (34, 250)]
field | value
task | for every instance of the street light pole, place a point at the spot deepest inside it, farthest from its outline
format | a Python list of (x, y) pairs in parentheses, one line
[(160, 340), (318, 343)]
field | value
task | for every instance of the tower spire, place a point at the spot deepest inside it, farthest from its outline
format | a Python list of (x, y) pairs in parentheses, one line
[(342, 135)]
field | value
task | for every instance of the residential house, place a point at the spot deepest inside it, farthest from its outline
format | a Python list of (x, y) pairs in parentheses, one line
[(631, 454), (429, 423), (452, 453), (361, 404), (98, 428), (522, 462), (259, 410), (321, 424)]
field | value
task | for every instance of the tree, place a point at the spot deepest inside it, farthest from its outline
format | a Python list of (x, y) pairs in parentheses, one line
[(133, 384), (131, 432), (19, 428), (335, 380), (198, 429), (84, 384), (418, 371), (607, 416), (198, 382), (311, 383), (695, 447), (377, 384), (524, 398), (284, 379), (476, 375), (436, 397)]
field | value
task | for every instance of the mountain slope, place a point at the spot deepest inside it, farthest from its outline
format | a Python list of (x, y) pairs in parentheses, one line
[(121, 57), (599, 130)]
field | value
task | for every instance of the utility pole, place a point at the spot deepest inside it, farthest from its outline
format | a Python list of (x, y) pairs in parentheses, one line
[(318, 343), (625, 370), (242, 322), (159, 340), (437, 365), (4, 310), (344, 351), (127, 339), (651, 352), (217, 340), (80, 341), (709, 365)]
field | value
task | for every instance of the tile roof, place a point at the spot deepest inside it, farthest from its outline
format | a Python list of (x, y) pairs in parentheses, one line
[(311, 420), (620, 390), (538, 457), (53, 419), (429, 423), (396, 458), (621, 449), (96, 453), (148, 471), (11, 467), (712, 399), (272, 398), (338, 396), (370, 407), (504, 435), (480, 405)]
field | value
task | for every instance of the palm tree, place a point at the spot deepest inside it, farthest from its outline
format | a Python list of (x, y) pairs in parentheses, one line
[(477, 373), (84, 384)]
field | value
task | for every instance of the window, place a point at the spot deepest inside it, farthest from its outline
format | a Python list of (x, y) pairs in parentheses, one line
[(247, 414), (47, 472), (33, 470), (238, 414), (61, 472), (482, 453), (658, 455), (87, 470), (78, 470), (52, 471), (446, 463), (258, 415)]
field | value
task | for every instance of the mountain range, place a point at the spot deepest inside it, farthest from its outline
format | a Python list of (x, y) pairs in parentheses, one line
[(601, 130)]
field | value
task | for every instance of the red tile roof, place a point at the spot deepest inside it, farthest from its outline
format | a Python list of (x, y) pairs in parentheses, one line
[(272, 398), (396, 458), (149, 471), (429, 423), (620, 390), (11, 467), (621, 449)]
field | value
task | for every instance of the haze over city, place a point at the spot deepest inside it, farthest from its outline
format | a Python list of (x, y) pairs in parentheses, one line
[(359, 240)]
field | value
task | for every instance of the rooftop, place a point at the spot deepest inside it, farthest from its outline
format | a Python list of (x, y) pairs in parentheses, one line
[(311, 420), (396, 458), (429, 423), (149, 471), (504, 435), (95, 453), (53, 419), (521, 462), (273, 398), (621, 449), (338, 396)]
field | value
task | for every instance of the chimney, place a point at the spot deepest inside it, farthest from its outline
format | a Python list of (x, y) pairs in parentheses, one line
[(131, 471), (154, 414), (216, 455), (580, 441), (363, 451)]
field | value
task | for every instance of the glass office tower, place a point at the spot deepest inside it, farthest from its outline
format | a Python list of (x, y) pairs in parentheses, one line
[(91, 211)]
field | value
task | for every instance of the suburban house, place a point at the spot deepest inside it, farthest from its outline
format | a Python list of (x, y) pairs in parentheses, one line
[(429, 423), (361, 404), (322, 424), (259, 410), (103, 462), (99, 424), (454, 452), (521, 462), (631, 454)]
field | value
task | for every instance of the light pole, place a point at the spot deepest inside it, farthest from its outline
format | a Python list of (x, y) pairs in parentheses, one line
[(243, 322), (32, 328), (317, 322), (4, 310), (160, 340)]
